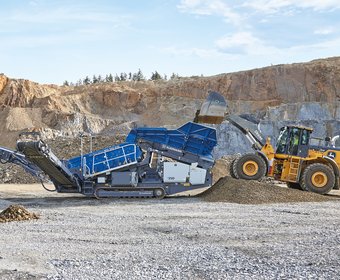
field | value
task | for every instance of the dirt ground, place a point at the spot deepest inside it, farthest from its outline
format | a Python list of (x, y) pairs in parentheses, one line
[(174, 238)]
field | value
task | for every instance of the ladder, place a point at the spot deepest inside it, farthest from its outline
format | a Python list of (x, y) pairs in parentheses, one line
[(294, 169)]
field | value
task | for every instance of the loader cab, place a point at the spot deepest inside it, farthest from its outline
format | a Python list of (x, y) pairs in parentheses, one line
[(294, 140)]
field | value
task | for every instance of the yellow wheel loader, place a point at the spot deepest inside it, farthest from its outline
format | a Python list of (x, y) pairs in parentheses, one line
[(296, 160)]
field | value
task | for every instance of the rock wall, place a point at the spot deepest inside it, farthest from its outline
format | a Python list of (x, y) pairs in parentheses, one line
[(304, 92), (323, 117)]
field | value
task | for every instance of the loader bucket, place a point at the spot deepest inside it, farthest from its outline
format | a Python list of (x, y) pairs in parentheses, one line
[(212, 110)]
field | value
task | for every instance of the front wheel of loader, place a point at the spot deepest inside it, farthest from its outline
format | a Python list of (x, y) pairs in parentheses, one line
[(250, 167), (318, 178)]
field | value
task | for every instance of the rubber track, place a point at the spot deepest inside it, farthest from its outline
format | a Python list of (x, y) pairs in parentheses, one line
[(124, 192)]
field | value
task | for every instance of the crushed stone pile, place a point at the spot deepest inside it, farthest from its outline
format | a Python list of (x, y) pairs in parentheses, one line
[(16, 213), (232, 190)]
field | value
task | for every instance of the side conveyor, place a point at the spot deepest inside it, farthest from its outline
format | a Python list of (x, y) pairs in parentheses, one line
[(10, 156), (38, 153)]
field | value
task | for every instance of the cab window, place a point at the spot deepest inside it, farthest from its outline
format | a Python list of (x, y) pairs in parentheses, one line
[(305, 137), (282, 141)]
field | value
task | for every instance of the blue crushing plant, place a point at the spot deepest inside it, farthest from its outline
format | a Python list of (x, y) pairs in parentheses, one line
[(152, 162)]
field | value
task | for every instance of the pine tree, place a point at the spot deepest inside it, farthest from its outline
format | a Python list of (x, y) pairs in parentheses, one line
[(66, 83), (156, 76), (109, 78), (123, 76), (174, 76), (94, 79), (117, 79), (138, 76), (87, 80)]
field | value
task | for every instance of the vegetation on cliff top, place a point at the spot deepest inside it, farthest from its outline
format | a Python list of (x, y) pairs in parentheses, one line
[(109, 78)]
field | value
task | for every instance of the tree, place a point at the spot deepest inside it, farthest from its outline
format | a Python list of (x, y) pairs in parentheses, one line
[(123, 76), (109, 78), (156, 76), (117, 79), (94, 79), (87, 80), (174, 76), (66, 83), (138, 76), (130, 76), (99, 79)]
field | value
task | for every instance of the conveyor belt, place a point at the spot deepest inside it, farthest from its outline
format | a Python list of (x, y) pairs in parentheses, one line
[(38, 153)]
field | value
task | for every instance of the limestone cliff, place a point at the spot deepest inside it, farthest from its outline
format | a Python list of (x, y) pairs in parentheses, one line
[(303, 91)]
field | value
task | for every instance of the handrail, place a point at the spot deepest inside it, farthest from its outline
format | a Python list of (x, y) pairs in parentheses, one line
[(87, 172)]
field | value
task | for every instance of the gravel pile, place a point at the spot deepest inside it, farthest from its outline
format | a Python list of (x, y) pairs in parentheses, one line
[(232, 190), (16, 213)]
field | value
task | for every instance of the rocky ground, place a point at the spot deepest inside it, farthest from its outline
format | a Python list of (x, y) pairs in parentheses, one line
[(177, 238)]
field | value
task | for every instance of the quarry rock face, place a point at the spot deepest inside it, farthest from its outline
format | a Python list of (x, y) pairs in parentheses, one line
[(307, 93), (3, 82)]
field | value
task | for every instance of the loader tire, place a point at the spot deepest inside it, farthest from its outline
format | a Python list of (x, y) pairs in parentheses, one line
[(295, 186), (318, 178), (250, 167), (231, 169)]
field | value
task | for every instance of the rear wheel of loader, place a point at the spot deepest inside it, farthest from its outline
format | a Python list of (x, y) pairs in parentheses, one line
[(295, 186), (318, 178), (249, 167), (231, 169)]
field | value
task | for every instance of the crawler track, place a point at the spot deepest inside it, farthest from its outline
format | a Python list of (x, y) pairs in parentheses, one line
[(126, 192)]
